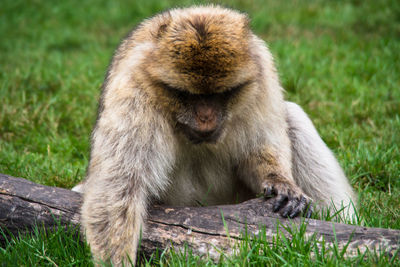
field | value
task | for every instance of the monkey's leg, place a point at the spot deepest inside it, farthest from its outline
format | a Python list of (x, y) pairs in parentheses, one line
[(315, 168)]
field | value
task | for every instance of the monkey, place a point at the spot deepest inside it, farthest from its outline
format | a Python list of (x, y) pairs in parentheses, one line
[(192, 112)]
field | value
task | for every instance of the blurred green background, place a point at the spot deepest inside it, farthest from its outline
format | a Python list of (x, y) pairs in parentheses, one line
[(339, 60)]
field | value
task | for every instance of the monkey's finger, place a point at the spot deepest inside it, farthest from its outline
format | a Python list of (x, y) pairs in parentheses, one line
[(301, 205), (299, 208), (309, 210), (291, 208), (269, 191), (296, 212), (280, 202)]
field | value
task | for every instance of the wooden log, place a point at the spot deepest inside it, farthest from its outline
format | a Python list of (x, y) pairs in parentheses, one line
[(206, 230)]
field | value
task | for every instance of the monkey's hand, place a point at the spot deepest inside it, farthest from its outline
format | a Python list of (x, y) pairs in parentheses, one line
[(290, 201)]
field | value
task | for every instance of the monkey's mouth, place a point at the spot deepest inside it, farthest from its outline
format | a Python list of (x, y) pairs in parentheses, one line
[(199, 137)]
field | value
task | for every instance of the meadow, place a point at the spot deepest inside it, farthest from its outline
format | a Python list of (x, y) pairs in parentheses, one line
[(340, 60)]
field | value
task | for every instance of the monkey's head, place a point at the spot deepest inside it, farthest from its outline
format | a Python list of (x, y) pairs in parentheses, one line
[(201, 64)]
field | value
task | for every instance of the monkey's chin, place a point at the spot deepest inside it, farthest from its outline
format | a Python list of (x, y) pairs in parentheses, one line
[(199, 141), (202, 140), (196, 139)]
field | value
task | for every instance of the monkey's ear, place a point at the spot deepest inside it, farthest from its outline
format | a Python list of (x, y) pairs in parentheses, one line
[(164, 21)]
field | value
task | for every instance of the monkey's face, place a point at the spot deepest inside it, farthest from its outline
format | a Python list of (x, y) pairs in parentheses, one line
[(202, 117)]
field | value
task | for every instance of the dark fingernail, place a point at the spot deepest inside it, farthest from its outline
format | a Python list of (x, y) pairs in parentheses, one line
[(275, 208), (309, 210), (268, 192), (285, 213), (294, 213), (309, 213), (279, 203)]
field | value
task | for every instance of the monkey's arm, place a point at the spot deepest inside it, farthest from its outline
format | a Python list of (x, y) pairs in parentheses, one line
[(110, 222), (269, 173), (129, 163)]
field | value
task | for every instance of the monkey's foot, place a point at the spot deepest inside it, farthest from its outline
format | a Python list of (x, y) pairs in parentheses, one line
[(289, 202)]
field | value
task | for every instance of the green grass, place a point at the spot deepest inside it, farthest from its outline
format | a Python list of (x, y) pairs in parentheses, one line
[(299, 250), (60, 247), (339, 60), (63, 248)]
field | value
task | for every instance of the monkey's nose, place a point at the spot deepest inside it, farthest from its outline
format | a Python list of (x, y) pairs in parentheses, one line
[(205, 113), (206, 116)]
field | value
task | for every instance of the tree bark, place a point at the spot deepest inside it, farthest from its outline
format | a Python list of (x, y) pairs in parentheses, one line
[(206, 230)]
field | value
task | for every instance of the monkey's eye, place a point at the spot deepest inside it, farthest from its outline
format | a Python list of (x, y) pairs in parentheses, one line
[(175, 91), (236, 89)]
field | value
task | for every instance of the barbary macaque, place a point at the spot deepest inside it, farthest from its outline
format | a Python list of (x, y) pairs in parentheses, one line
[(192, 112)]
